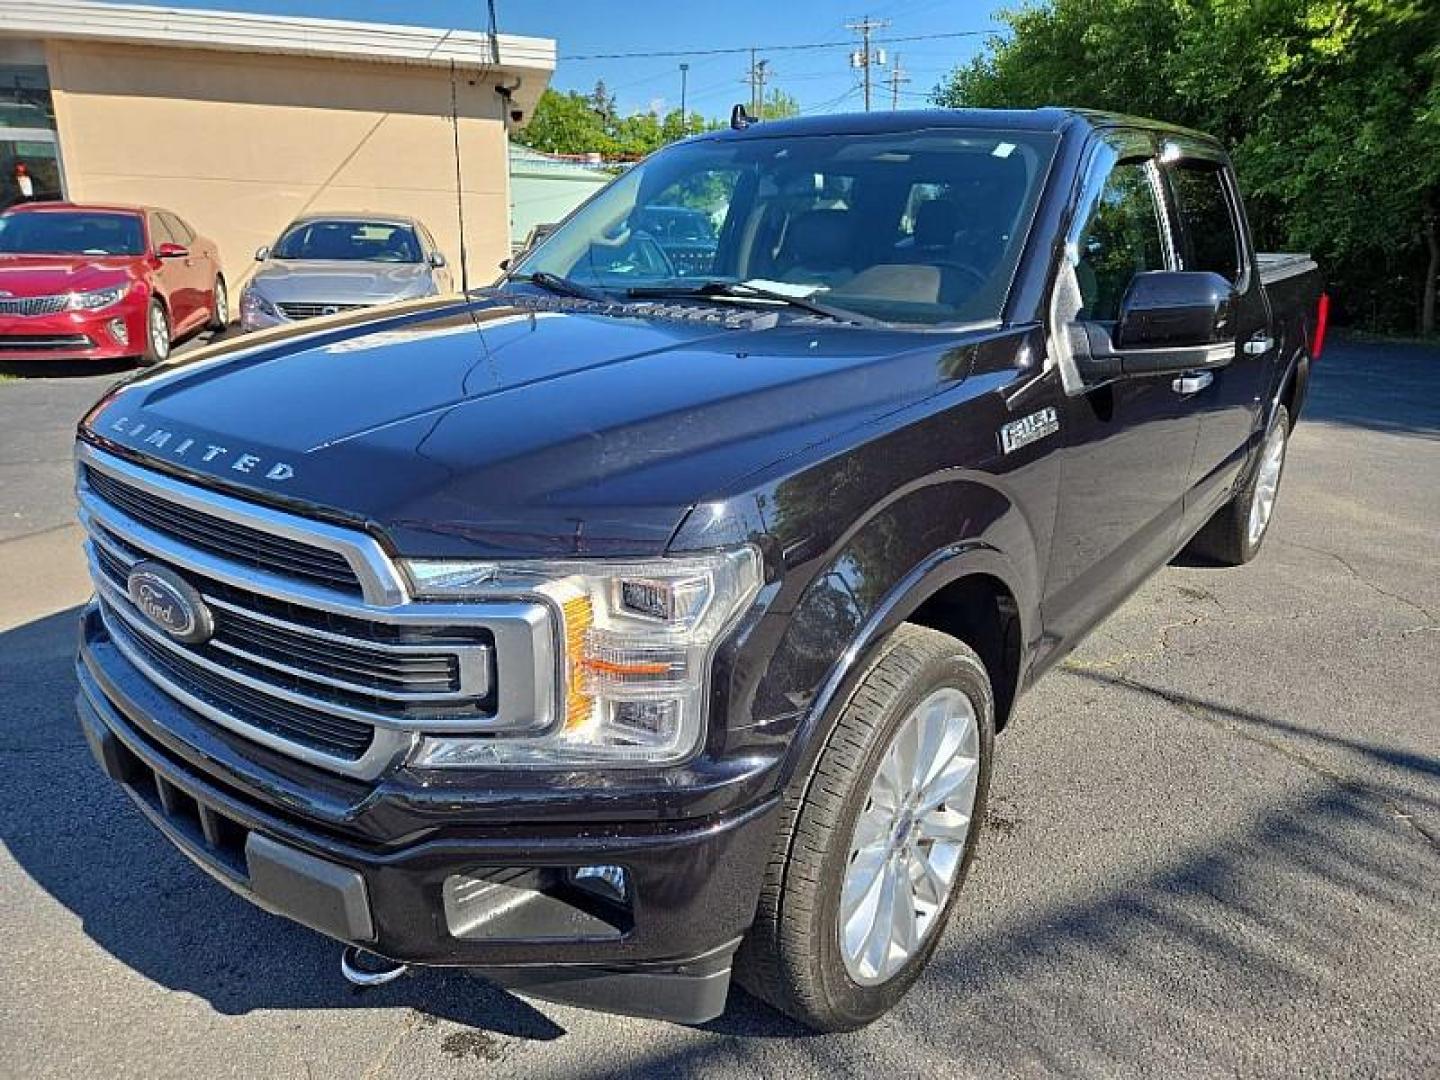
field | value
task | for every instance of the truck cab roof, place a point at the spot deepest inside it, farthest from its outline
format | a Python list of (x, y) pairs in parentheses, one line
[(1050, 118)]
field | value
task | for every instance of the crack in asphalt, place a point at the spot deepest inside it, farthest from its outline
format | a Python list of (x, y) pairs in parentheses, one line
[(1429, 615), (1213, 718)]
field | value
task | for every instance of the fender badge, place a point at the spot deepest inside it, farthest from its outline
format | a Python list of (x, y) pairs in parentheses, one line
[(1028, 429)]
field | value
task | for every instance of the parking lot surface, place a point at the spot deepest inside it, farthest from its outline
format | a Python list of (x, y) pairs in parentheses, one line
[(1212, 845)]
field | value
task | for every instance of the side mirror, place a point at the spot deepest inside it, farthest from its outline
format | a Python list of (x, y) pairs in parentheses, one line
[(1175, 309), (505, 264), (171, 251), (1170, 321), (262, 253), (437, 260)]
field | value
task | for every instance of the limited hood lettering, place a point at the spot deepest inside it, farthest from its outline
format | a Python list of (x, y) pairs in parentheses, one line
[(176, 445)]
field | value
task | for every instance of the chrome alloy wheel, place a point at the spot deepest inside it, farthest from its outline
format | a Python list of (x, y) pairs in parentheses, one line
[(1267, 482), (159, 333), (220, 305), (910, 837)]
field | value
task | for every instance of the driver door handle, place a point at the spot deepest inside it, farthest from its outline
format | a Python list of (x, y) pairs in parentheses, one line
[(1193, 383), (1259, 345)]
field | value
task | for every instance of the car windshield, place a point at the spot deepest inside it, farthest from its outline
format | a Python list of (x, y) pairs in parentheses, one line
[(63, 232), (916, 227), (362, 241)]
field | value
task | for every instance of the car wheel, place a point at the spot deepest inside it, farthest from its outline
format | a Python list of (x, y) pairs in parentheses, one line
[(157, 336), (1234, 535), (219, 306), (872, 852)]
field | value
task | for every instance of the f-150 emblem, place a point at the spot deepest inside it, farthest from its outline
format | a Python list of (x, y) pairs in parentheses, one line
[(1027, 429)]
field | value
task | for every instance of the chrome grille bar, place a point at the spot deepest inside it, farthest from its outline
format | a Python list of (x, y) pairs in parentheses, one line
[(380, 582), (449, 673)]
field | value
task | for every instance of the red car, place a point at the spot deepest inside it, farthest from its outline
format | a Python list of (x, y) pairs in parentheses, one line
[(103, 282)]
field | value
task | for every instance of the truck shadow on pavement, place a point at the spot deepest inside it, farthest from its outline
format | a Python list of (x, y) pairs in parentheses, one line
[(1283, 908)]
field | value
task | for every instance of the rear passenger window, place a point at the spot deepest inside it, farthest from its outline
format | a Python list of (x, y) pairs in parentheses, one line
[(1122, 240), (1209, 224)]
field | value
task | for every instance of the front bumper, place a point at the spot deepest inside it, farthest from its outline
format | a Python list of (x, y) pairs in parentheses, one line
[(111, 333), (665, 951)]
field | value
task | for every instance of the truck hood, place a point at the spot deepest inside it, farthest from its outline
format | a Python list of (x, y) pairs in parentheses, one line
[(343, 281), (486, 429), (50, 275)]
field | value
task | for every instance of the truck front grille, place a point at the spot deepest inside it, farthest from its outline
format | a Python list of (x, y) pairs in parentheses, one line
[(301, 666), (225, 538)]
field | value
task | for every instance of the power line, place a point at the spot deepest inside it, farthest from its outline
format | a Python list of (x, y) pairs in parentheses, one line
[(670, 53)]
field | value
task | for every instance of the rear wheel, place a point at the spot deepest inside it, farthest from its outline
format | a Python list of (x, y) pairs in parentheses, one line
[(219, 306), (1234, 535), (872, 854), (157, 336)]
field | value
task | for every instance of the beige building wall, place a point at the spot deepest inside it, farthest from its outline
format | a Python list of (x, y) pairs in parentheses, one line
[(240, 144)]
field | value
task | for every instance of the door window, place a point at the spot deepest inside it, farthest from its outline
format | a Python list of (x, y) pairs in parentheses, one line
[(1122, 239), (1212, 241)]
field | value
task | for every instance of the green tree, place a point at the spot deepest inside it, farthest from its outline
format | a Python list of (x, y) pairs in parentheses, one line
[(1331, 109), (573, 123), (778, 105), (566, 123)]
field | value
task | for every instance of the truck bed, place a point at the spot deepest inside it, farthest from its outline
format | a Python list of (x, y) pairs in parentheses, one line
[(1277, 266)]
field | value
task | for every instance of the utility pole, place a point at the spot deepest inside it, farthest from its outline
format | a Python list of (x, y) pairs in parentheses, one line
[(684, 116), (758, 74), (865, 58), (750, 77), (898, 76)]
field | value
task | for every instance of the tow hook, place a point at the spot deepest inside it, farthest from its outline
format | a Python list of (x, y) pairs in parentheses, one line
[(364, 968)]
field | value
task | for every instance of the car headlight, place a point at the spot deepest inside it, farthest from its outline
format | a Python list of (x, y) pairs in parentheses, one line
[(97, 298), (252, 303), (638, 639)]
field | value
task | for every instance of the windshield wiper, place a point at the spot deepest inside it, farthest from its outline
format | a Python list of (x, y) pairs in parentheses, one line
[(739, 290), (564, 286)]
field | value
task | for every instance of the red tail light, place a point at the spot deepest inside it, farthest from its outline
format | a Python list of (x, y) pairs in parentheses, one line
[(1322, 320)]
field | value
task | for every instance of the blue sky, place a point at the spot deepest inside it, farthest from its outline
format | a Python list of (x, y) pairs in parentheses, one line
[(819, 78)]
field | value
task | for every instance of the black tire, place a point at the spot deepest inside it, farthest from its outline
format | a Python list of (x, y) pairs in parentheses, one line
[(791, 957), (1225, 539), (219, 306), (152, 354)]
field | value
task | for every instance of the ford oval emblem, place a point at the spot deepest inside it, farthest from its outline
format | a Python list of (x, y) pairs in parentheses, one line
[(170, 602)]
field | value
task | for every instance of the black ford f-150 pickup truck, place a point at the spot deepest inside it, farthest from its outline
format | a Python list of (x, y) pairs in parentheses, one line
[(641, 619)]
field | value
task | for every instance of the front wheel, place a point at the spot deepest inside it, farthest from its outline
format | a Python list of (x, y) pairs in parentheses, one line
[(872, 853), (1234, 535), (157, 336), (219, 306)]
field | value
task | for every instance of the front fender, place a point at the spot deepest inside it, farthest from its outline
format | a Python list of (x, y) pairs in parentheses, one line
[(829, 613)]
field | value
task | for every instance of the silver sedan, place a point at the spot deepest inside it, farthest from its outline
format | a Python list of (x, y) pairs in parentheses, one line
[(324, 264)]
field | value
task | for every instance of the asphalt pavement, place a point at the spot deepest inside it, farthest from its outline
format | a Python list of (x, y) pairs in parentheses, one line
[(1212, 848)]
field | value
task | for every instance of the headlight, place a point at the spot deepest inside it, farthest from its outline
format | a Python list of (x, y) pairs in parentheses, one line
[(638, 640), (252, 303), (98, 298)]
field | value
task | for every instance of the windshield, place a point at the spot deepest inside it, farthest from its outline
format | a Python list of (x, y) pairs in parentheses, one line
[(917, 227), (56, 232), (364, 241)]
